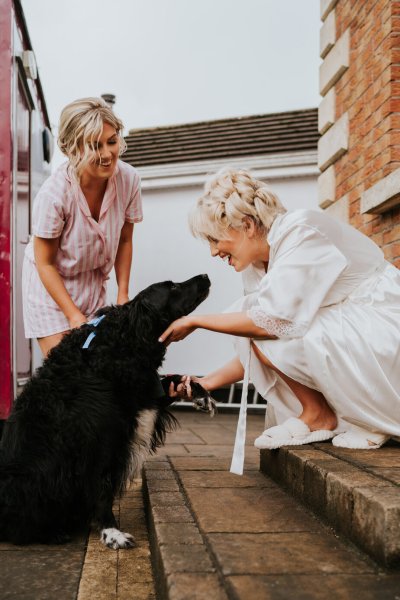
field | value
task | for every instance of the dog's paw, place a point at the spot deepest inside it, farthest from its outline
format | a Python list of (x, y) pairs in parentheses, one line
[(191, 391), (202, 399), (114, 538)]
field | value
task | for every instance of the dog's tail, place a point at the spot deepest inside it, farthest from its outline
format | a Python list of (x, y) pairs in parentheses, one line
[(165, 423)]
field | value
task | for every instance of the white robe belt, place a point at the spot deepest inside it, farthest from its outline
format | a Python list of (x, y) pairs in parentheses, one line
[(240, 440)]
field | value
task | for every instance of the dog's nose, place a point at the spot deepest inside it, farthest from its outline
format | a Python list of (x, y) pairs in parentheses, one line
[(206, 279)]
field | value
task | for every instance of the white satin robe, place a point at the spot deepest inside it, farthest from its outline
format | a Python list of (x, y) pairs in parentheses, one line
[(334, 303)]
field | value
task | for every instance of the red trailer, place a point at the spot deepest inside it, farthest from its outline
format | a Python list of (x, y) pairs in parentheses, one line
[(25, 154)]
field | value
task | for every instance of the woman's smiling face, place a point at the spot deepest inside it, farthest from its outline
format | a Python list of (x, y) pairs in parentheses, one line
[(105, 154), (242, 248)]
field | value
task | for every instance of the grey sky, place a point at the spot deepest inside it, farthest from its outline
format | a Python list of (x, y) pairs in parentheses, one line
[(176, 61)]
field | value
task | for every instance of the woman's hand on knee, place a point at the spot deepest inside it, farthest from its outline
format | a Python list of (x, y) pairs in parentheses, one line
[(177, 331)]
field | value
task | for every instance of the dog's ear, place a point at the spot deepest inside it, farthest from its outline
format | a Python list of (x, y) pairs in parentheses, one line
[(103, 311), (144, 321)]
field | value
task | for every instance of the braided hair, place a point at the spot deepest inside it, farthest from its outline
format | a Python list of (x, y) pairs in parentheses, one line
[(231, 197)]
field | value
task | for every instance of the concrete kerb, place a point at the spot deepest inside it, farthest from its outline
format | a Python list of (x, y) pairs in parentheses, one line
[(180, 555)]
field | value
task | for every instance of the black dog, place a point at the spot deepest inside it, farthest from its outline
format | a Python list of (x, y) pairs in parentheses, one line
[(84, 422)]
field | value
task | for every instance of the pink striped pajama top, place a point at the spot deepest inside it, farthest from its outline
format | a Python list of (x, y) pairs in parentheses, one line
[(87, 248)]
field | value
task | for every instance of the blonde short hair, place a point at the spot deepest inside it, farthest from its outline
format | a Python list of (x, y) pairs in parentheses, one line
[(81, 125), (230, 197)]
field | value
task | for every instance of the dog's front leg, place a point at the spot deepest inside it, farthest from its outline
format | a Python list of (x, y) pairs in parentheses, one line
[(110, 534)]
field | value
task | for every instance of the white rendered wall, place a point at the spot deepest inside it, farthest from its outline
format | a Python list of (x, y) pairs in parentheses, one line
[(164, 249)]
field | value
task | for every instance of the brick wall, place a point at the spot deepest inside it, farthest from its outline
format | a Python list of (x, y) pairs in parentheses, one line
[(363, 181)]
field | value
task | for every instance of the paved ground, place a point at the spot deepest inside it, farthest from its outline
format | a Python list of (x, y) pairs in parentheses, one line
[(216, 535)]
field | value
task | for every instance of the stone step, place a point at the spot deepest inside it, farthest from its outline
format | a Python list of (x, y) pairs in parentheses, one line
[(355, 491)]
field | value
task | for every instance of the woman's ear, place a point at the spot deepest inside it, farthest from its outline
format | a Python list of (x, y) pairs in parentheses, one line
[(249, 227)]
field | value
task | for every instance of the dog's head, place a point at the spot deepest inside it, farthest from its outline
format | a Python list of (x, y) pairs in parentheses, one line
[(157, 306)]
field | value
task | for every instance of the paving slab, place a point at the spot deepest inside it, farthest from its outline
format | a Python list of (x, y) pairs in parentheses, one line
[(283, 553), (173, 450), (48, 573), (266, 508), (200, 463), (186, 558), (163, 472), (184, 437), (390, 474), (171, 514), (157, 462), (218, 479), (219, 451), (192, 586), (387, 456), (162, 485), (181, 533), (211, 434), (317, 587)]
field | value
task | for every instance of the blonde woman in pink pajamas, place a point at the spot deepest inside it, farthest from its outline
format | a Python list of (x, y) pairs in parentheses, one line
[(83, 219)]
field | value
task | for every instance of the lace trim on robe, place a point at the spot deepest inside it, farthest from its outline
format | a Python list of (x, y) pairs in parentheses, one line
[(279, 327)]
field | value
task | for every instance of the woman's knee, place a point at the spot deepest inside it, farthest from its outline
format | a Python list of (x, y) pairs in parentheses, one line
[(48, 342)]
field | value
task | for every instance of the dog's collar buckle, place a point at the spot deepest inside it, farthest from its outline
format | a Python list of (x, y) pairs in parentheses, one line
[(92, 335)]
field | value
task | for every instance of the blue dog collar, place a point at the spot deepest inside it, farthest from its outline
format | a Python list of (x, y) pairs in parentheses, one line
[(96, 321), (92, 335)]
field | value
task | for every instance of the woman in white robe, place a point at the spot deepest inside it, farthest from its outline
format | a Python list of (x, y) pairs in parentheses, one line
[(321, 309)]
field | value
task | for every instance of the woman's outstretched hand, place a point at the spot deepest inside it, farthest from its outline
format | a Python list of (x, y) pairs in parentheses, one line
[(183, 390), (177, 331)]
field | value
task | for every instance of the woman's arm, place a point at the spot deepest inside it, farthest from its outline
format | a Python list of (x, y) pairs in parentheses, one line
[(232, 372), (123, 262), (232, 323), (45, 251)]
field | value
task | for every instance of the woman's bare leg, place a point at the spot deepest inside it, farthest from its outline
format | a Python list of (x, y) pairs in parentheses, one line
[(317, 414), (48, 342)]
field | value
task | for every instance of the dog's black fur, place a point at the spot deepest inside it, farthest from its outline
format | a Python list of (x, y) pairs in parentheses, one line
[(86, 417)]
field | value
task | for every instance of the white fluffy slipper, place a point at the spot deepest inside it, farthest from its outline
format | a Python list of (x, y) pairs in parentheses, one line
[(359, 439), (293, 432)]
